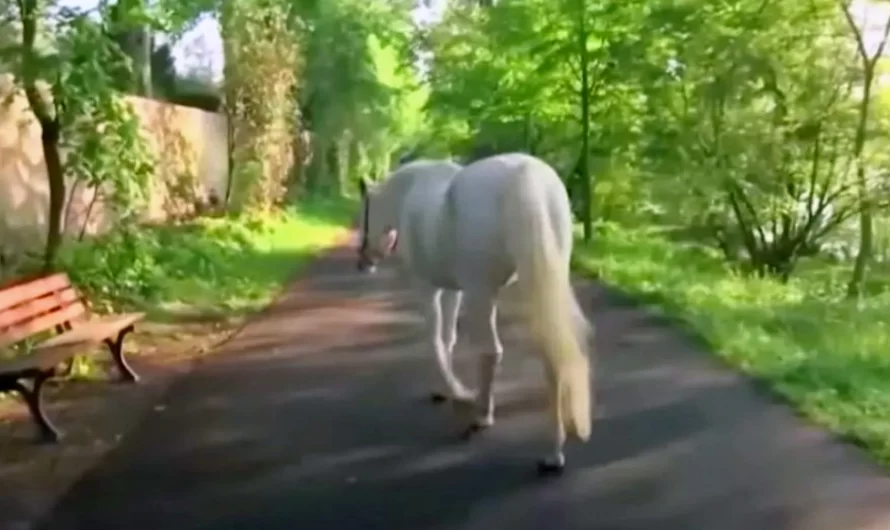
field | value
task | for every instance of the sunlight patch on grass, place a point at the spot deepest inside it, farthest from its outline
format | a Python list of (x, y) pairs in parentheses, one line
[(211, 267), (828, 355), (251, 276)]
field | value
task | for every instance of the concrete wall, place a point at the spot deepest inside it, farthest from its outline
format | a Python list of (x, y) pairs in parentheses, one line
[(186, 141)]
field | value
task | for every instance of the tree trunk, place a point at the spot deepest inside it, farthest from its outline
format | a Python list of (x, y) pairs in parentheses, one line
[(135, 40), (584, 163), (230, 151), (866, 203), (49, 139), (48, 119), (866, 229), (142, 60), (341, 163), (317, 169)]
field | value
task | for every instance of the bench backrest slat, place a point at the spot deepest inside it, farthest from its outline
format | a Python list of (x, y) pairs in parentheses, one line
[(12, 282), (36, 306), (27, 291)]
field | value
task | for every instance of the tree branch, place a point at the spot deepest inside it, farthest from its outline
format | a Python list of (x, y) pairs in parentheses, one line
[(860, 43)]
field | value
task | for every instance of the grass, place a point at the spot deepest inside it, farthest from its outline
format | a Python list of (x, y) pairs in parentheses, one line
[(827, 355), (213, 267)]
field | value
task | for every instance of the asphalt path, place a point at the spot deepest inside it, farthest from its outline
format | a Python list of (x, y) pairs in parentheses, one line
[(316, 417)]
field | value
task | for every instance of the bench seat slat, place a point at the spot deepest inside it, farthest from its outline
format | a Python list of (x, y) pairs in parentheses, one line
[(93, 331), (88, 334), (48, 321)]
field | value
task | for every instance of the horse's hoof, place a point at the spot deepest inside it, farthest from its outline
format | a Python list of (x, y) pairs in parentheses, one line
[(549, 468), (438, 398), (473, 429), (465, 398)]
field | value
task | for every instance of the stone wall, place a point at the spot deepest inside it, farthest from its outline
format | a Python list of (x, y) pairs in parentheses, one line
[(190, 145)]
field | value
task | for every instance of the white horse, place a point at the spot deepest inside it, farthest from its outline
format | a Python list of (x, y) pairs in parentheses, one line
[(466, 232)]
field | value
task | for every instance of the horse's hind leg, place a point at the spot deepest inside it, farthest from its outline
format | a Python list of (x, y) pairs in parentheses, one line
[(554, 462), (450, 310), (482, 324), (443, 312)]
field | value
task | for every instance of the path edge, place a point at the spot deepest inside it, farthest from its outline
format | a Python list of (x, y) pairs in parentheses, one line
[(703, 348)]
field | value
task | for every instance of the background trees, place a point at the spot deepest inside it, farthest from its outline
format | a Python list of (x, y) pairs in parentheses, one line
[(751, 126), (746, 123)]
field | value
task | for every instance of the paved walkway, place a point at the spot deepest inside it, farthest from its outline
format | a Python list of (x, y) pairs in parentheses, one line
[(316, 418)]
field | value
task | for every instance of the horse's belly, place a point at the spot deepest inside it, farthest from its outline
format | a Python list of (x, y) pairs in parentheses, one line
[(433, 263), (443, 280), (424, 268), (480, 250)]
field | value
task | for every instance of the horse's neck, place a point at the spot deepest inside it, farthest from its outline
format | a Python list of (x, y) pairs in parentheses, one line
[(393, 204)]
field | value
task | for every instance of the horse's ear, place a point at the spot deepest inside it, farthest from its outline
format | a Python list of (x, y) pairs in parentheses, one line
[(363, 187)]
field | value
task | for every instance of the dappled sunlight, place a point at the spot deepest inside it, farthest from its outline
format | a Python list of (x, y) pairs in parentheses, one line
[(318, 414), (323, 463), (720, 160), (439, 461), (215, 265)]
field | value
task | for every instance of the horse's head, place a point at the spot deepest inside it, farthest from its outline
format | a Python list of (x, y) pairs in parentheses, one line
[(378, 236)]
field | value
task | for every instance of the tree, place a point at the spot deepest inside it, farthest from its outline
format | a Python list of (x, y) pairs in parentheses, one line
[(866, 194), (549, 75), (360, 97), (130, 28), (47, 115), (262, 69), (69, 82), (163, 70), (732, 120)]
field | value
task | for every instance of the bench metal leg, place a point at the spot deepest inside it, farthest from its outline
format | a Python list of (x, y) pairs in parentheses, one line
[(69, 367), (116, 347), (47, 432)]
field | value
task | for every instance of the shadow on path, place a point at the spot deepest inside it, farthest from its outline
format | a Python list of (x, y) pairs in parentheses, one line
[(315, 418)]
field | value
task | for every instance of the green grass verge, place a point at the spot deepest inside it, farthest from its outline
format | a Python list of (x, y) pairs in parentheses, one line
[(827, 355), (212, 267)]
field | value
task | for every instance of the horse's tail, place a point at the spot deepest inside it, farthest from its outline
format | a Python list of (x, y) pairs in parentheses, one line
[(556, 319)]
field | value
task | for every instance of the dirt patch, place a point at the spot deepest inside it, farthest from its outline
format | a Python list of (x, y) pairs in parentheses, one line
[(94, 415)]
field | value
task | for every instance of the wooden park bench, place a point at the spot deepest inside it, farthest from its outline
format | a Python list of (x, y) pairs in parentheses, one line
[(31, 307)]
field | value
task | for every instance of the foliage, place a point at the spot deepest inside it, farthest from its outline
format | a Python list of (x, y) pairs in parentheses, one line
[(206, 265), (100, 132), (68, 77), (261, 79), (129, 25), (359, 100), (720, 117), (186, 89), (824, 353), (730, 148)]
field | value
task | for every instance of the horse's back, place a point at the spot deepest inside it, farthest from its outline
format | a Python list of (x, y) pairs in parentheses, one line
[(479, 189), (482, 216), (488, 179)]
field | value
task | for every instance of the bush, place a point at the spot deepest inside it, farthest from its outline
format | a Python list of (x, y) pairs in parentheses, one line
[(224, 263)]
